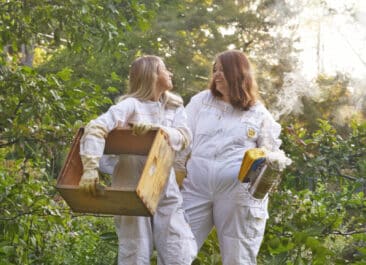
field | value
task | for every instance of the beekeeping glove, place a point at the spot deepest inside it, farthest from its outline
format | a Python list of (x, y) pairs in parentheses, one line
[(90, 177), (180, 175), (277, 159), (141, 128)]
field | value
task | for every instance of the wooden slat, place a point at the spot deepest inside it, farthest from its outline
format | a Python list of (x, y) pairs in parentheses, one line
[(156, 171), (113, 201), (121, 141), (72, 170)]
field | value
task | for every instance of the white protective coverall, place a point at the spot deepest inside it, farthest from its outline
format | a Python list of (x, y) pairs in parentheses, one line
[(212, 193), (167, 230)]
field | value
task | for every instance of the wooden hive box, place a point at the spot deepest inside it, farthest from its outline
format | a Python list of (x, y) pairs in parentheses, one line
[(141, 200)]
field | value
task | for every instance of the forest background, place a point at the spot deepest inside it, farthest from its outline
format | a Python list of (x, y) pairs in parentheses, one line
[(65, 62)]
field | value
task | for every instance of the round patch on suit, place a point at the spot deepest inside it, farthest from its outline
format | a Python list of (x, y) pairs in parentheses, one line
[(251, 132)]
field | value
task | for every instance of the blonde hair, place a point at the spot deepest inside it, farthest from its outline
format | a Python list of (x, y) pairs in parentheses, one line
[(142, 81)]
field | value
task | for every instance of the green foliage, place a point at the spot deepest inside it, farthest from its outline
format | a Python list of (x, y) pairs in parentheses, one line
[(332, 100), (37, 227), (327, 156), (188, 34), (319, 215), (316, 217), (210, 251), (78, 24), (40, 113), (41, 109)]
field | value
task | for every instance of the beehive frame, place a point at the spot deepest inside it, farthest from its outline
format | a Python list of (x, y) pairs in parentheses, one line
[(141, 200)]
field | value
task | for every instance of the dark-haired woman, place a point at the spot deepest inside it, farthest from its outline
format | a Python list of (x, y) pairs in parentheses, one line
[(226, 120)]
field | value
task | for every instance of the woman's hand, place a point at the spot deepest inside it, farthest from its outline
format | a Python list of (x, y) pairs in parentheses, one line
[(89, 180), (141, 128), (90, 177), (278, 160)]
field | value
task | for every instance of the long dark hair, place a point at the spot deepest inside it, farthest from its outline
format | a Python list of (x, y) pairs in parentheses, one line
[(237, 71)]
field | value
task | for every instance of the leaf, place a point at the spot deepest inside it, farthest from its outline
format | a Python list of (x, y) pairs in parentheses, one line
[(7, 250), (109, 236), (115, 77), (65, 74)]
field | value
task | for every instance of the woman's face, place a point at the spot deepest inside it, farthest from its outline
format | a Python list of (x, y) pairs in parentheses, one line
[(164, 81), (220, 81)]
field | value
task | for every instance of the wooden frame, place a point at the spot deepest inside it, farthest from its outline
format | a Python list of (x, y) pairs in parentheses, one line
[(141, 200)]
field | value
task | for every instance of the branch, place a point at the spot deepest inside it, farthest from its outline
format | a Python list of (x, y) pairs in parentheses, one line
[(336, 232), (4, 144), (345, 176), (34, 140), (290, 130), (37, 213), (73, 215), (18, 215), (17, 107)]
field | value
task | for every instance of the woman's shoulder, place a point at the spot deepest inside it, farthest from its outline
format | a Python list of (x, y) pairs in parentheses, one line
[(258, 106), (173, 100), (127, 102), (260, 109), (202, 96)]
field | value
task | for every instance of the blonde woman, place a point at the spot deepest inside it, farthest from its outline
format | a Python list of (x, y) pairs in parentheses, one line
[(148, 102)]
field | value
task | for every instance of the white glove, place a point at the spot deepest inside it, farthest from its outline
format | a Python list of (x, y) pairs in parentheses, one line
[(277, 159), (90, 176)]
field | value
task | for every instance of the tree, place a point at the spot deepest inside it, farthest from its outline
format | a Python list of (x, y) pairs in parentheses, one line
[(81, 26), (325, 188), (189, 34), (41, 109), (80, 52)]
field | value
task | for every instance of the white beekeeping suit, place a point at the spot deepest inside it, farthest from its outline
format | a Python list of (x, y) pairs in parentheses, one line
[(167, 230), (212, 194)]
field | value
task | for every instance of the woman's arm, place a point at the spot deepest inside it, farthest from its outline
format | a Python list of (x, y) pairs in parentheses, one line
[(92, 142)]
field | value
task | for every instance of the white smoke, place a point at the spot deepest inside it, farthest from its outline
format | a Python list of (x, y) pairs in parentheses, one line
[(358, 90), (295, 87), (332, 40)]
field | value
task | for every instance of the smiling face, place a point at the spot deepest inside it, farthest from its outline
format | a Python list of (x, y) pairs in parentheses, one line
[(149, 78), (232, 80), (164, 80), (220, 81)]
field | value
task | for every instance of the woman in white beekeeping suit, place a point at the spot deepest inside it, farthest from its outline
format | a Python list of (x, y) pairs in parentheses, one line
[(149, 103), (226, 120)]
